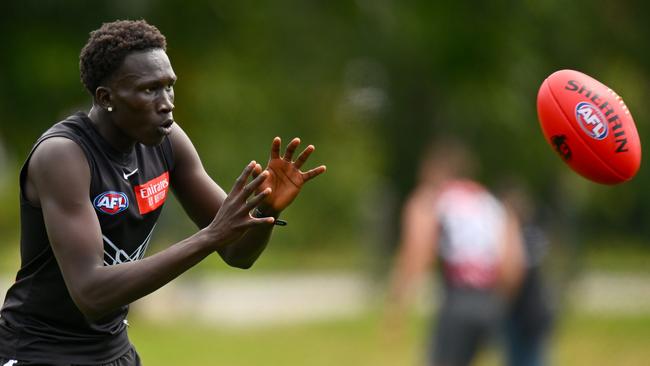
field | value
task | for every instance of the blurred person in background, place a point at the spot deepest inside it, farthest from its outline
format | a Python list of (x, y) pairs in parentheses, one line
[(530, 317), (92, 190), (450, 217)]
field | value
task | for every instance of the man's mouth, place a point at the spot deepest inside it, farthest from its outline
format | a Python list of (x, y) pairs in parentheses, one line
[(166, 127)]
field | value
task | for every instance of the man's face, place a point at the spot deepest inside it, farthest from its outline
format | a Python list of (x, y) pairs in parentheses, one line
[(142, 96)]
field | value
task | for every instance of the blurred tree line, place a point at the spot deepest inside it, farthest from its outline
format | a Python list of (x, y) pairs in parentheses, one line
[(370, 83)]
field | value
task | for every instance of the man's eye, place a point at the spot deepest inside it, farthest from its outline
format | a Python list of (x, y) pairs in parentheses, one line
[(169, 88)]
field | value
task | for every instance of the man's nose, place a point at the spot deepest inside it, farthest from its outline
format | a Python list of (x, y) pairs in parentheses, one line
[(166, 104)]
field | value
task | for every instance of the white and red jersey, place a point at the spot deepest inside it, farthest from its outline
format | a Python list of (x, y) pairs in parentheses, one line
[(472, 223)]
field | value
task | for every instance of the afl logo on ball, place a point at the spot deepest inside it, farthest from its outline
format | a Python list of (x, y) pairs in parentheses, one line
[(111, 202), (591, 120)]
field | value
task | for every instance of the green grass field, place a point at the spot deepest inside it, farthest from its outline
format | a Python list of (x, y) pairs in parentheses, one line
[(580, 339)]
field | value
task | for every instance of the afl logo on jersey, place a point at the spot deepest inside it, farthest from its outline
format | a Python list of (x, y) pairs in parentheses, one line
[(111, 202)]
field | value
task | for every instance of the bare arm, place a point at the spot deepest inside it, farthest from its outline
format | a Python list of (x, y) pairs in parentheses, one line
[(58, 180), (417, 249), (201, 197), (512, 256)]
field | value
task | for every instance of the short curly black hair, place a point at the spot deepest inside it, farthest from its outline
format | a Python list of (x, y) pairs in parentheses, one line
[(110, 44)]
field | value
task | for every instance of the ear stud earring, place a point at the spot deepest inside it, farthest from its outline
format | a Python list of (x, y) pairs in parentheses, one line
[(110, 109)]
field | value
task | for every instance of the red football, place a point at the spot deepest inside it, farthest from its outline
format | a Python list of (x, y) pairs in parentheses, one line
[(589, 126)]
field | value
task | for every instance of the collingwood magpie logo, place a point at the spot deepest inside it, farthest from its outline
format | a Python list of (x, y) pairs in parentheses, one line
[(114, 255)]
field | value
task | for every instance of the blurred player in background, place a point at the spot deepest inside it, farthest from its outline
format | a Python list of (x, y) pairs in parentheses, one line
[(92, 190), (454, 219), (530, 317)]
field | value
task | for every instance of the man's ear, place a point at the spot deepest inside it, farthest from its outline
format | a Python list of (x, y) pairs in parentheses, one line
[(103, 97)]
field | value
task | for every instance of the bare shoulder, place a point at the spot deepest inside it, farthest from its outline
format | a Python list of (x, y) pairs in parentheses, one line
[(186, 158), (57, 154), (181, 143), (58, 165), (421, 199)]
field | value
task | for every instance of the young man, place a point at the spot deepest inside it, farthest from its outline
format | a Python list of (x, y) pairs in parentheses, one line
[(91, 192)]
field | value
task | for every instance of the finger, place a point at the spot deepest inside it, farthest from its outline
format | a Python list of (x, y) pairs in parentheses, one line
[(275, 148), (304, 155), (262, 221), (291, 148), (313, 173), (257, 199), (243, 177), (252, 186), (257, 170)]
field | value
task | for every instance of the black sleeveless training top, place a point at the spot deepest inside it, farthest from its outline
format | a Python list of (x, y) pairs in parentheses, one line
[(39, 321)]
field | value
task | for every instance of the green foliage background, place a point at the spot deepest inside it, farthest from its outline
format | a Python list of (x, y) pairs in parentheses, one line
[(370, 83)]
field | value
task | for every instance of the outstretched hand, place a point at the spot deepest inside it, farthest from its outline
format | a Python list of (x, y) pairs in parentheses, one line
[(285, 179), (233, 218)]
